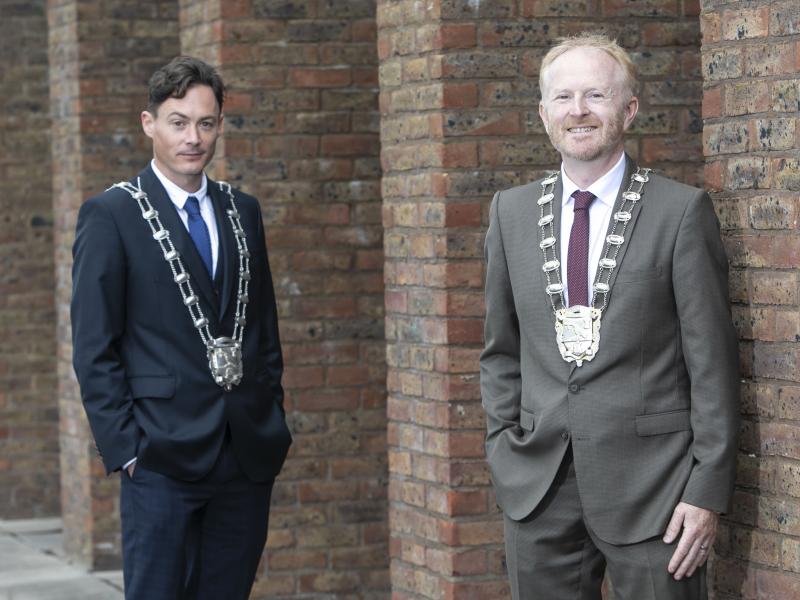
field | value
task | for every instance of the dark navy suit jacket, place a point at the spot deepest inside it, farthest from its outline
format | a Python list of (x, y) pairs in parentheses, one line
[(141, 365)]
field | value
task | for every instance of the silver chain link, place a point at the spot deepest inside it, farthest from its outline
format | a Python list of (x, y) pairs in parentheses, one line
[(179, 273), (614, 240)]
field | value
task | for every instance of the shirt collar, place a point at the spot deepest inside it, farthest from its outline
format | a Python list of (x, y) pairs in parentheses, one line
[(177, 194), (605, 188)]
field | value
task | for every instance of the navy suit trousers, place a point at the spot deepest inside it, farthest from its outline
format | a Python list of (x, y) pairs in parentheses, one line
[(193, 540)]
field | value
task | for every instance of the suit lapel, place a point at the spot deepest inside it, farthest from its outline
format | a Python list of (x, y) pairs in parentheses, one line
[(227, 245), (200, 279), (556, 204), (630, 169)]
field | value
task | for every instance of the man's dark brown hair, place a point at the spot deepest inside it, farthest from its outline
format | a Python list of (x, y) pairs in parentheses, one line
[(174, 79)]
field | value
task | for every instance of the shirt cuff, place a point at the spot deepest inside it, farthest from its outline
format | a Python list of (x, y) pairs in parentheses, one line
[(129, 463)]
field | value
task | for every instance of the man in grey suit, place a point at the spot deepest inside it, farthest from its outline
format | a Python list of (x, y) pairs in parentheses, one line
[(610, 371)]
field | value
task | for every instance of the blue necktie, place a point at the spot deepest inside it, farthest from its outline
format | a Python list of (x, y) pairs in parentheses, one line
[(199, 232)]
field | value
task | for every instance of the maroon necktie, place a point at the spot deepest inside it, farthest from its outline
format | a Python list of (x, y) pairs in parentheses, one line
[(578, 253)]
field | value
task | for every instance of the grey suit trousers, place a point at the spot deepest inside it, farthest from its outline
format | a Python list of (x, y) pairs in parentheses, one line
[(553, 555)]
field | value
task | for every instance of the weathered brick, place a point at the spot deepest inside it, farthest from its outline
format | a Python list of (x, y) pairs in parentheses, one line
[(446, 36), (749, 172), (773, 212), (784, 18), (456, 9), (283, 9), (712, 102), (516, 34), (790, 552), (657, 63), (474, 64), (778, 361), (746, 98), (745, 23), (731, 212), (787, 173), (729, 137), (483, 123), (722, 64), (768, 59), (320, 77), (749, 250), (672, 92), (786, 95), (763, 548), (775, 287), (773, 134), (711, 27), (317, 31)]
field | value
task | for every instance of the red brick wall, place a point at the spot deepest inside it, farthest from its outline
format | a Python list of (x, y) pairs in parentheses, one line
[(458, 104), (751, 105), (459, 120), (101, 55), (301, 134), (28, 415)]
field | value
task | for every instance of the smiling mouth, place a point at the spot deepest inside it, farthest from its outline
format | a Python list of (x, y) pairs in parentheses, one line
[(584, 129)]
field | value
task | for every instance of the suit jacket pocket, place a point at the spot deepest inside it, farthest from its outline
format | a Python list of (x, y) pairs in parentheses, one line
[(639, 274), (526, 419), (152, 386), (666, 422)]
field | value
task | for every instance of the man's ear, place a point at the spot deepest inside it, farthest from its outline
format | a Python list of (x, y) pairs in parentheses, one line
[(630, 111), (221, 122), (543, 116), (148, 122)]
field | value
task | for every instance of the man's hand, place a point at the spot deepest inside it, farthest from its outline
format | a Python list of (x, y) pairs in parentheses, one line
[(699, 530), (131, 468)]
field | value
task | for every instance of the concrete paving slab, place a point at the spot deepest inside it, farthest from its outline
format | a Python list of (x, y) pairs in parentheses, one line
[(22, 526), (32, 566)]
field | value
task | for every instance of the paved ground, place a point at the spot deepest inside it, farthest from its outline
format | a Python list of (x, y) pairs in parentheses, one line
[(33, 566)]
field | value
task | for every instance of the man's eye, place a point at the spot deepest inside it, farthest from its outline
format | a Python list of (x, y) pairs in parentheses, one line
[(177, 123), (206, 124)]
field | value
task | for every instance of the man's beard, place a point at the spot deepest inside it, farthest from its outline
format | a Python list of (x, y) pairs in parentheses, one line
[(610, 137)]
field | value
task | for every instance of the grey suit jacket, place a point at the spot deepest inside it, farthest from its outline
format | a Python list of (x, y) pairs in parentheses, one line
[(653, 418)]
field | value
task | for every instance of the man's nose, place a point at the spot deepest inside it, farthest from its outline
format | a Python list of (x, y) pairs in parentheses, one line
[(193, 135), (578, 105)]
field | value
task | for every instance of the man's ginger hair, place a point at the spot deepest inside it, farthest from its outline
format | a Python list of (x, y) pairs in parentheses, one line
[(601, 42)]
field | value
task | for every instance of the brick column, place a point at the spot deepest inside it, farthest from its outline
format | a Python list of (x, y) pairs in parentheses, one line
[(459, 97), (29, 485), (101, 55), (301, 134), (751, 105)]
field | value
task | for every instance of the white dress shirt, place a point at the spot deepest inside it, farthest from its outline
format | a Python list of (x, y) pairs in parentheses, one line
[(606, 189), (178, 196)]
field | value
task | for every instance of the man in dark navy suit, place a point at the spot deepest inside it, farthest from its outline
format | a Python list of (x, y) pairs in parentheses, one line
[(177, 353)]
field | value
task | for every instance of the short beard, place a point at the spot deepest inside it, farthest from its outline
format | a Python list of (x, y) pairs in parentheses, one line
[(611, 136)]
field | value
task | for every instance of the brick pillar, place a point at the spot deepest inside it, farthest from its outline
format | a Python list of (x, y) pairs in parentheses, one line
[(101, 55), (459, 97), (751, 105), (301, 134), (29, 485)]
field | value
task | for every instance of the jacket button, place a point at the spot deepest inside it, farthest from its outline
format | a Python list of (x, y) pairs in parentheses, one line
[(574, 387), (565, 435)]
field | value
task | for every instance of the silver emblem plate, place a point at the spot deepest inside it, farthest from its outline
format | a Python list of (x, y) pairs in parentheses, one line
[(225, 361), (578, 333)]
